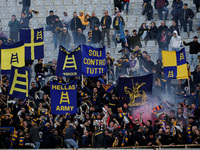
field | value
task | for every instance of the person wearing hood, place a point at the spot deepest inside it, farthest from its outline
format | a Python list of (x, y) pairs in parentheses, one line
[(134, 66), (175, 42), (194, 49), (66, 19), (50, 20), (94, 21), (186, 17), (83, 21), (64, 38), (96, 37)]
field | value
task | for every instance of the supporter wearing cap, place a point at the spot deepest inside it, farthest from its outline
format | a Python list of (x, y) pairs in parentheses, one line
[(187, 15), (64, 38), (194, 49), (50, 20), (135, 39)]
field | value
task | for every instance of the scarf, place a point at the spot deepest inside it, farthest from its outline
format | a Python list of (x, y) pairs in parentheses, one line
[(163, 39), (21, 141), (173, 129), (189, 136), (125, 138), (104, 20), (133, 63)]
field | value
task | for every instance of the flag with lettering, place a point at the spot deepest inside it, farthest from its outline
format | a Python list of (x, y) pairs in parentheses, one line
[(94, 61), (19, 82), (135, 89), (63, 98), (175, 64), (12, 55), (34, 43), (69, 63)]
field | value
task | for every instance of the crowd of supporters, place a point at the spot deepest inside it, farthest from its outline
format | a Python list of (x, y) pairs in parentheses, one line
[(104, 119)]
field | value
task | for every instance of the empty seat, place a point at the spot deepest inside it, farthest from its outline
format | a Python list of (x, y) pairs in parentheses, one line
[(67, 2), (105, 1), (198, 15), (48, 2), (151, 43), (192, 34), (2, 2), (131, 24), (76, 2), (58, 2), (137, 11), (39, 2), (11, 3), (86, 2), (95, 1), (52, 7), (89, 8), (61, 8), (109, 7), (184, 35), (99, 7)]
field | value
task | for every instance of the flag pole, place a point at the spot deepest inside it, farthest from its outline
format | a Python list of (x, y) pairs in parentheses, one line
[(188, 86), (82, 80), (107, 77)]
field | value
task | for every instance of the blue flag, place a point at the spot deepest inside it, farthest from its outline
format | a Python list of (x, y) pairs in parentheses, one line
[(69, 63), (122, 35), (34, 43), (19, 82), (63, 98), (94, 61), (136, 89)]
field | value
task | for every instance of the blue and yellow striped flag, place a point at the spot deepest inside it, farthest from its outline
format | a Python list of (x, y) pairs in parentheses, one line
[(34, 43), (12, 55), (175, 64)]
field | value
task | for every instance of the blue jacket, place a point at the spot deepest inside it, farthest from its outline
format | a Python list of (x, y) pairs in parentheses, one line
[(177, 7), (25, 20)]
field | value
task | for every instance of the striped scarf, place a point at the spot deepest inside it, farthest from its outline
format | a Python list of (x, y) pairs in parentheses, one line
[(21, 141), (125, 138), (162, 123), (173, 129), (14, 137), (122, 115), (189, 136), (115, 143)]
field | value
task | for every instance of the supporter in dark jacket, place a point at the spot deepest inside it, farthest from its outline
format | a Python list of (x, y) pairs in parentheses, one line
[(186, 17), (153, 31), (70, 132), (26, 6), (176, 10), (49, 140), (196, 75), (79, 38), (14, 25), (162, 27), (135, 39), (57, 27), (148, 9), (46, 89), (140, 137), (97, 138), (64, 38), (194, 49), (148, 66), (34, 135), (173, 28), (161, 5), (96, 37), (94, 21), (163, 42), (150, 141), (118, 4), (197, 3), (50, 20), (75, 24), (24, 21), (34, 88), (85, 142)]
